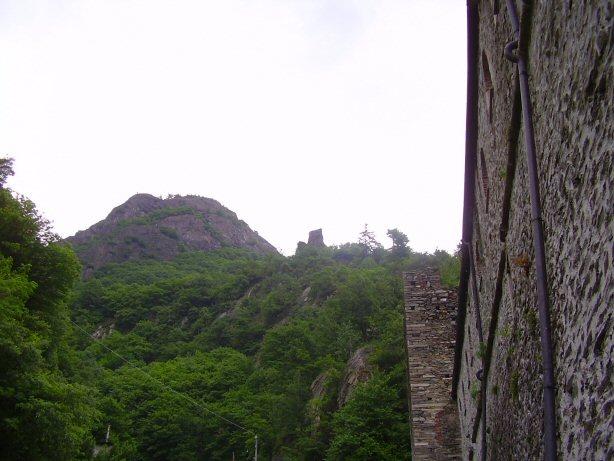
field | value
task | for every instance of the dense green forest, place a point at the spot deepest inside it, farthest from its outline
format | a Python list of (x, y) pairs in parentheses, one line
[(191, 358)]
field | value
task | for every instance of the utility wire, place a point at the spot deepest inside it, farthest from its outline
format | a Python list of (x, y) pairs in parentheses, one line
[(165, 386)]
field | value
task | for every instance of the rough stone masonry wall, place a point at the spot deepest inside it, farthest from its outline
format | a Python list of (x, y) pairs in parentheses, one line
[(430, 313), (570, 67)]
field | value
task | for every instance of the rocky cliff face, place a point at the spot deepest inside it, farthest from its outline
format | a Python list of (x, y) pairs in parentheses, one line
[(150, 227), (358, 370)]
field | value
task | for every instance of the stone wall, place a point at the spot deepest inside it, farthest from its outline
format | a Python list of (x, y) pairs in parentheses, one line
[(430, 313), (570, 67)]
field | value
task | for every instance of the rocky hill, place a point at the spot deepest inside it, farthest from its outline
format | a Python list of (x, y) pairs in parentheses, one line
[(150, 227)]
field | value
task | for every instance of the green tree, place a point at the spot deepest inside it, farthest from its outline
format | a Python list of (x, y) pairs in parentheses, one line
[(368, 242), (44, 414), (449, 267), (399, 243), (372, 425), (6, 170)]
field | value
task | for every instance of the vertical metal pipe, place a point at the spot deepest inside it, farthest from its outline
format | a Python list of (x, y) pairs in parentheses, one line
[(478, 322), (540, 269), (550, 453), (469, 190)]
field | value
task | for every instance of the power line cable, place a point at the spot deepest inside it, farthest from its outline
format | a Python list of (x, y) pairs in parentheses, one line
[(165, 386)]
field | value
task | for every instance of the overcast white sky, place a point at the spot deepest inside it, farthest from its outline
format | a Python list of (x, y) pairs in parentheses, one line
[(296, 114)]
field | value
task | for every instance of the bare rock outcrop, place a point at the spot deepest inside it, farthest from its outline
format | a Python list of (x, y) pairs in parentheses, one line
[(358, 370), (149, 227), (305, 295), (318, 386), (318, 391), (104, 330)]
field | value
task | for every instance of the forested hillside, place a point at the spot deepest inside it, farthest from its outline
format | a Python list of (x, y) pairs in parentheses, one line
[(190, 357)]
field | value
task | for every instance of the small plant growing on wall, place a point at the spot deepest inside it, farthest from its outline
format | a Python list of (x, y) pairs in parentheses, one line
[(514, 385), (531, 318), (481, 353), (475, 391), (523, 262), (505, 332)]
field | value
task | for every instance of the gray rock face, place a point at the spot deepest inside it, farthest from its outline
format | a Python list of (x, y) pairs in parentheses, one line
[(318, 386), (358, 370), (318, 390), (150, 227), (316, 238)]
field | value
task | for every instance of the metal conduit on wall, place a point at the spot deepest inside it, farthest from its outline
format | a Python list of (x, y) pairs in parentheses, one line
[(520, 43)]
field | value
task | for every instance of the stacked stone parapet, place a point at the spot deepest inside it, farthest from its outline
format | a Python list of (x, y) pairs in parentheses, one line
[(430, 313)]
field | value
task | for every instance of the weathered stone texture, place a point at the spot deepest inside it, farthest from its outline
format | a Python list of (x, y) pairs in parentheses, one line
[(570, 67), (430, 313)]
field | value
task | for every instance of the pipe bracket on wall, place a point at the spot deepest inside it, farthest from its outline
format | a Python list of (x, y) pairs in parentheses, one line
[(509, 49)]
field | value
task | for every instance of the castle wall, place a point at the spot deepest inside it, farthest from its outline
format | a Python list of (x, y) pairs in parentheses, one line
[(570, 67), (430, 313)]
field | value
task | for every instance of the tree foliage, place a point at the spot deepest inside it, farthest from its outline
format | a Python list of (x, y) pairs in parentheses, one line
[(44, 413), (190, 358), (372, 425), (6, 170), (399, 243), (368, 242)]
